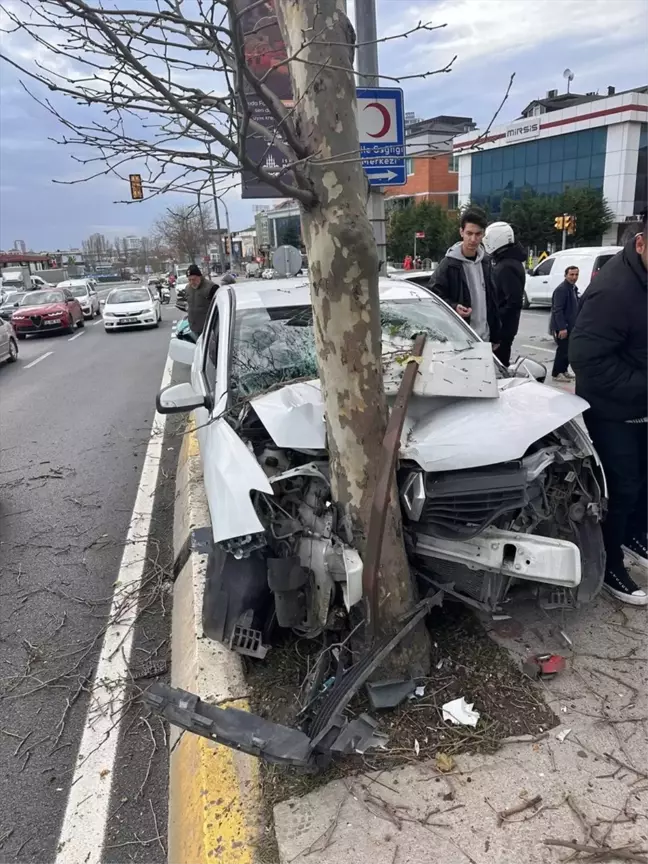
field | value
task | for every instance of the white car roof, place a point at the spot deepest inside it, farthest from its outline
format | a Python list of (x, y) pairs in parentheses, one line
[(586, 251), (267, 293), (70, 283)]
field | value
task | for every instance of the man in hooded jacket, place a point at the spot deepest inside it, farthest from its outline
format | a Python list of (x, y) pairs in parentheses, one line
[(510, 277), (608, 353), (464, 279)]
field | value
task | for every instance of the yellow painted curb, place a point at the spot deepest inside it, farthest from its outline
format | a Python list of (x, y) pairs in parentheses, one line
[(214, 791)]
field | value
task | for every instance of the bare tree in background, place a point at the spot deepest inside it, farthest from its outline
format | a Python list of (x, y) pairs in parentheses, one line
[(143, 66), (183, 230)]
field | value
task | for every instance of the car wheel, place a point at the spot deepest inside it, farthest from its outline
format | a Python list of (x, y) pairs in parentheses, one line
[(13, 351), (525, 301), (71, 326), (81, 322)]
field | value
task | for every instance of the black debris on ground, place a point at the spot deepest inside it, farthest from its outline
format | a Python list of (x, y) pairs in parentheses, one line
[(465, 662)]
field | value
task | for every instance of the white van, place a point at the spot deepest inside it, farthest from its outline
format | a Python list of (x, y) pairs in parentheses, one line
[(546, 276)]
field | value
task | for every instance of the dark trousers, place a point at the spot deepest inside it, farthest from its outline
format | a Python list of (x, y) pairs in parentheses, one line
[(503, 353), (622, 449), (561, 360)]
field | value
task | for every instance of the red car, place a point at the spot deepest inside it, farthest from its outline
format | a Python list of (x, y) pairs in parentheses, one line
[(47, 311)]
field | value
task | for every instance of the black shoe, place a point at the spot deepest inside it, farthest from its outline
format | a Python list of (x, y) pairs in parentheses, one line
[(636, 551), (621, 585)]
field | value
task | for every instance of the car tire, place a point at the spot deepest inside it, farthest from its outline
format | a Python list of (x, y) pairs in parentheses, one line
[(525, 301), (71, 326), (13, 351), (81, 322)]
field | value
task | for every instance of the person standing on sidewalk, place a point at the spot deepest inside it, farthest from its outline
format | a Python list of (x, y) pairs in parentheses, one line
[(564, 309), (608, 353), (510, 278), (200, 292), (464, 279)]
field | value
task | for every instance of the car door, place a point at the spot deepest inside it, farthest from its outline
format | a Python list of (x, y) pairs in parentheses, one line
[(539, 287), (73, 305), (4, 340)]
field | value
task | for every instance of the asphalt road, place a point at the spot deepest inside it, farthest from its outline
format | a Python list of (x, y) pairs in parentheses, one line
[(75, 421), (533, 340)]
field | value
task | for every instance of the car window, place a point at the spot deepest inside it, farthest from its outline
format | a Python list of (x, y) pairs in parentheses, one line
[(128, 295), (211, 352), (36, 298), (277, 345), (544, 269), (598, 264), (78, 290)]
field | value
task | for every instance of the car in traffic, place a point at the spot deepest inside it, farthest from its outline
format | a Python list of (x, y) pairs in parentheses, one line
[(131, 307), (47, 311), (548, 274), (8, 343), (134, 277), (9, 303), (86, 294), (500, 487)]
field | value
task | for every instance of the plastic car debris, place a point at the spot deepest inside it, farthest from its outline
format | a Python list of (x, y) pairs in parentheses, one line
[(246, 640), (543, 665), (389, 694), (460, 712), (287, 580), (358, 736)]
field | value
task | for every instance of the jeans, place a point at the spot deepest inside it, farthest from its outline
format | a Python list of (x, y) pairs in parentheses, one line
[(561, 361), (622, 449)]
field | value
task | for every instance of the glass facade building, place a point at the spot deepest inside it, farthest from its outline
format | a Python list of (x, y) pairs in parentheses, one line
[(546, 166), (641, 186)]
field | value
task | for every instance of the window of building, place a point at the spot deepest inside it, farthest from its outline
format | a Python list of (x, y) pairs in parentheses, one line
[(409, 166), (453, 163), (641, 184), (545, 167), (453, 201)]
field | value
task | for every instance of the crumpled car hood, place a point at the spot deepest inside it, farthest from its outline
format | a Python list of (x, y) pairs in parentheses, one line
[(454, 435)]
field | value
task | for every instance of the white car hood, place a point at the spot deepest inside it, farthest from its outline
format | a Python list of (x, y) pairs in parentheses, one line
[(463, 433), (129, 308)]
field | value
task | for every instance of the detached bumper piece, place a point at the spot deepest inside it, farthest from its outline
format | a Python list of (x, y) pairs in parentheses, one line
[(328, 732)]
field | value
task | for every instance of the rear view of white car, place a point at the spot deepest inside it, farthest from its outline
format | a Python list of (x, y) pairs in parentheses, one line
[(131, 307), (547, 276), (85, 293)]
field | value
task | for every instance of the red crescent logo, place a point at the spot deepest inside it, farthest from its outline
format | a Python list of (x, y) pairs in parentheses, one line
[(385, 116)]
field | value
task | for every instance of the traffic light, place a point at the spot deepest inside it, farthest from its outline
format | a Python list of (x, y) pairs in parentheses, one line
[(137, 193), (570, 224), (558, 223)]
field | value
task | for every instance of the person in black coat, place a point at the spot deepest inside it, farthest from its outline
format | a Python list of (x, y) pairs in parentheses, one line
[(510, 278), (564, 309), (608, 353), (464, 279)]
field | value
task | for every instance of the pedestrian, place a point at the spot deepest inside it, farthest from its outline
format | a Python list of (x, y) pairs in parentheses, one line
[(200, 292), (510, 277), (564, 309), (407, 263), (418, 263), (464, 279), (608, 353)]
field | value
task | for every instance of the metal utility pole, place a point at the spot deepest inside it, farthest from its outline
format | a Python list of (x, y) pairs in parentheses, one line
[(564, 231), (367, 68), (219, 239)]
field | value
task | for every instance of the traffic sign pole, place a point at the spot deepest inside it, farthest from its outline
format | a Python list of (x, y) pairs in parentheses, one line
[(366, 30)]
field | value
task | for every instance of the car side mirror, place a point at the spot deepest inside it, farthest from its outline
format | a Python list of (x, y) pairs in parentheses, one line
[(179, 399), (533, 369)]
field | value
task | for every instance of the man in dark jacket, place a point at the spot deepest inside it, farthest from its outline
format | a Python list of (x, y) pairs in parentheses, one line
[(510, 277), (607, 350), (464, 279), (564, 309), (200, 292)]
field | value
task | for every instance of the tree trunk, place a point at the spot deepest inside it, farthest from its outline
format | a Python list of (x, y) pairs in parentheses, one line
[(343, 265)]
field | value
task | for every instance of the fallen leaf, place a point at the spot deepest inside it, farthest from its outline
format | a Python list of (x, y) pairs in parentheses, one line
[(444, 762), (104, 772)]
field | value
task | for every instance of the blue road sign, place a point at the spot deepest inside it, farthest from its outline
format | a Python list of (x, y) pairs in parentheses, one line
[(381, 126)]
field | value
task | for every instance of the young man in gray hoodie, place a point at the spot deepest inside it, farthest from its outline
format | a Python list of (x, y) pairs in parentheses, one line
[(464, 279)]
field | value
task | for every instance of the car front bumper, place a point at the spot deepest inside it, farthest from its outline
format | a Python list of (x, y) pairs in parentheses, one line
[(147, 320), (51, 326)]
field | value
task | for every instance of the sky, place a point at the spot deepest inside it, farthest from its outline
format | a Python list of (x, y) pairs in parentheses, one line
[(603, 43)]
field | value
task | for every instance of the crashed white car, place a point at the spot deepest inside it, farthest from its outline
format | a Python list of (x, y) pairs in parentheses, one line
[(500, 486)]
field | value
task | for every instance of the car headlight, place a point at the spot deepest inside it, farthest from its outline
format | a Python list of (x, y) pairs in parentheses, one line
[(108, 314)]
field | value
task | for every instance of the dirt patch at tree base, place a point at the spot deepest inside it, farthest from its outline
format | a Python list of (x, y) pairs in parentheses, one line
[(465, 662)]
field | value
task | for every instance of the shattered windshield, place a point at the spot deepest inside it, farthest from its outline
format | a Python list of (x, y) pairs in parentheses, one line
[(277, 345)]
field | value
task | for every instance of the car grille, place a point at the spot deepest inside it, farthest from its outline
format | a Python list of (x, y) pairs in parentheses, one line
[(134, 314), (462, 503), (36, 320)]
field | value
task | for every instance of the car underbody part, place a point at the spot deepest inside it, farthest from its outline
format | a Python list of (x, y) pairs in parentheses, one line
[(389, 694), (326, 732)]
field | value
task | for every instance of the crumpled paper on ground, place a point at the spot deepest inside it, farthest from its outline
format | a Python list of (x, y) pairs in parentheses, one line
[(460, 712)]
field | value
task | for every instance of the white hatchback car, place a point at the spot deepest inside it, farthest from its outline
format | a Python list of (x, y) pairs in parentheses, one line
[(8, 343), (131, 307), (85, 293), (547, 276)]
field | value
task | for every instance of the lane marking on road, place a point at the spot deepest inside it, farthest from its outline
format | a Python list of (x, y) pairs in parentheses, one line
[(98, 321), (38, 359), (86, 816), (76, 336), (538, 348)]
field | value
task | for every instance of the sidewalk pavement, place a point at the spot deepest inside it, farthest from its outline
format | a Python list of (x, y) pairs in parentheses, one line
[(591, 771)]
